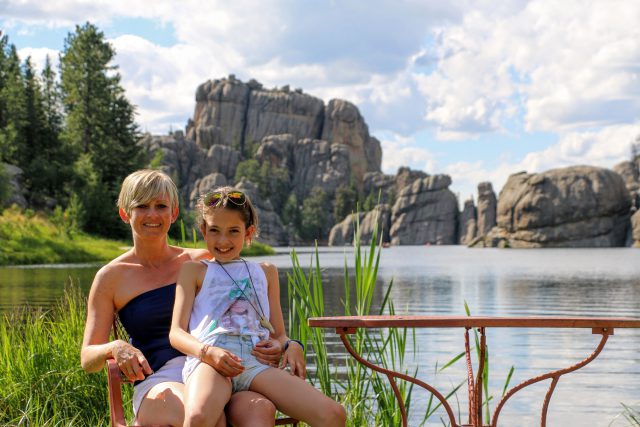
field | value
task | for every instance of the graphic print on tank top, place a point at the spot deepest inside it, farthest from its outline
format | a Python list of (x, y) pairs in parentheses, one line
[(241, 318)]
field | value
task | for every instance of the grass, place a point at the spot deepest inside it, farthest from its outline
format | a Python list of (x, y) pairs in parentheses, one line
[(368, 397), (31, 238), (41, 381)]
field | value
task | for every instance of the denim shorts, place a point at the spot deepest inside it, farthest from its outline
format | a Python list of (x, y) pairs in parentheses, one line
[(241, 346)]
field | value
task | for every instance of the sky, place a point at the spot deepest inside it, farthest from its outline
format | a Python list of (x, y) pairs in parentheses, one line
[(476, 90)]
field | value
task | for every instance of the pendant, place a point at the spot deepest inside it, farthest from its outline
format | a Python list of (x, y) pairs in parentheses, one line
[(264, 322)]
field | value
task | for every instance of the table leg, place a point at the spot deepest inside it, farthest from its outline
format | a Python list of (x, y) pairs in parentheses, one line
[(555, 375), (391, 375)]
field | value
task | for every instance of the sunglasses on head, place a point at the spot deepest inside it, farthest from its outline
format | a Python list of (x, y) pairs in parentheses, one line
[(218, 198)]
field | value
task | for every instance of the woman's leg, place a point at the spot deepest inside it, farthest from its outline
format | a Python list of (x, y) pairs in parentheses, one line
[(206, 394), (299, 399), (250, 409), (163, 404)]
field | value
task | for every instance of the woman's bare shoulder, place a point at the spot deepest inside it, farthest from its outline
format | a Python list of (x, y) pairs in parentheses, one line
[(195, 254)]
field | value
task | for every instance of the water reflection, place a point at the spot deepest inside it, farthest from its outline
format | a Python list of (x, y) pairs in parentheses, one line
[(438, 280)]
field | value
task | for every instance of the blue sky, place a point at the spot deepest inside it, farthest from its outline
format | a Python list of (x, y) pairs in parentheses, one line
[(473, 89)]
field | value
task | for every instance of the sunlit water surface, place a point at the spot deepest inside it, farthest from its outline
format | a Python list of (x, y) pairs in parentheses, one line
[(431, 280)]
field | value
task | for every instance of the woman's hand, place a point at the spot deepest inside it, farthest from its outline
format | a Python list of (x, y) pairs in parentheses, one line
[(130, 360), (294, 357), (268, 352), (223, 361)]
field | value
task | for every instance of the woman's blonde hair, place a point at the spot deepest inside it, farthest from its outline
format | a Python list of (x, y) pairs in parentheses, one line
[(206, 203), (144, 185)]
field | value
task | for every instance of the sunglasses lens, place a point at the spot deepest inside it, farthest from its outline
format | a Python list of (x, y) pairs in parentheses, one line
[(236, 197), (213, 199)]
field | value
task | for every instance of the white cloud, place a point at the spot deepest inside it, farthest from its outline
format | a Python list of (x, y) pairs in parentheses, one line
[(402, 151), (39, 57), (604, 148), (567, 65)]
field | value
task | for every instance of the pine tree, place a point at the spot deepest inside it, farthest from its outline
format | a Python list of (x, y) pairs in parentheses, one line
[(45, 161), (100, 127), (13, 116)]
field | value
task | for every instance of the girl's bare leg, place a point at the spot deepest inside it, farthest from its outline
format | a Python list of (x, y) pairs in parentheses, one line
[(250, 409), (206, 394), (299, 399)]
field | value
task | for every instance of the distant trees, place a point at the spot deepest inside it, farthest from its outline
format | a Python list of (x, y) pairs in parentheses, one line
[(75, 138)]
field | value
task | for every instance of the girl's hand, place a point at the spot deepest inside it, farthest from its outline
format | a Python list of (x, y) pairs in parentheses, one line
[(268, 352), (294, 357), (223, 361), (130, 360)]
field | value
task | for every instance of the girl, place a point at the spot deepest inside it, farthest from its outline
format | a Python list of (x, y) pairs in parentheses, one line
[(222, 308)]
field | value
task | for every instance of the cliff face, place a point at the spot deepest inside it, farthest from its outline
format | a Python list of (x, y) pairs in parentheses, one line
[(426, 212), (329, 146), (319, 145)]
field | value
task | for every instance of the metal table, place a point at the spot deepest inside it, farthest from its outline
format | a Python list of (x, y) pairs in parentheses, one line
[(345, 325)]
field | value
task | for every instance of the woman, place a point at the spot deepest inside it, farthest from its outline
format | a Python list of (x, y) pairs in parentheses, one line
[(139, 286)]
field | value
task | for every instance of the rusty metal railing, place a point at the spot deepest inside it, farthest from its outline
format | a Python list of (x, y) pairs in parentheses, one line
[(346, 325)]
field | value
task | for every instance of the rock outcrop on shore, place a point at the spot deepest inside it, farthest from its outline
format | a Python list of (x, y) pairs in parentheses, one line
[(426, 212), (329, 147), (579, 206)]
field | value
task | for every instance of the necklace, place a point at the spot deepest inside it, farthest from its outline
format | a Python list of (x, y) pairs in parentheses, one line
[(264, 322)]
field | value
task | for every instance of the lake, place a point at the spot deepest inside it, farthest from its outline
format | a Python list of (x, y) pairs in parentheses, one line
[(432, 280)]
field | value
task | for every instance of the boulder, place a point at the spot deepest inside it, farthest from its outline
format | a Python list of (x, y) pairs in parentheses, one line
[(220, 113), (389, 186), (343, 124), (204, 185), (317, 163), (630, 174), (342, 233), (579, 206), (635, 227), (467, 224), (276, 112), (425, 212), (487, 204), (270, 227), (186, 162)]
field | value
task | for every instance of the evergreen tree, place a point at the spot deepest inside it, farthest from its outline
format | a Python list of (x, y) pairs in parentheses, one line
[(291, 213), (100, 127), (44, 160), (315, 215), (13, 116), (345, 202)]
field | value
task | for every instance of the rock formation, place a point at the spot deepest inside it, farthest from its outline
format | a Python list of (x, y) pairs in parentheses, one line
[(342, 233), (487, 204), (425, 212), (271, 230), (635, 227), (467, 224), (579, 206)]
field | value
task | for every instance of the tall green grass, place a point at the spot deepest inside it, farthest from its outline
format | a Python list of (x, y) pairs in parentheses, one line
[(368, 397), (41, 381)]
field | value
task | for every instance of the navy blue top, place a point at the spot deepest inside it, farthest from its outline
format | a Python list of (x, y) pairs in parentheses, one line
[(147, 320)]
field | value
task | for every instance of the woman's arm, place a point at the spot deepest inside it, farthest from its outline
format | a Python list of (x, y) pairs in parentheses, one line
[(96, 348), (189, 281), (294, 354)]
